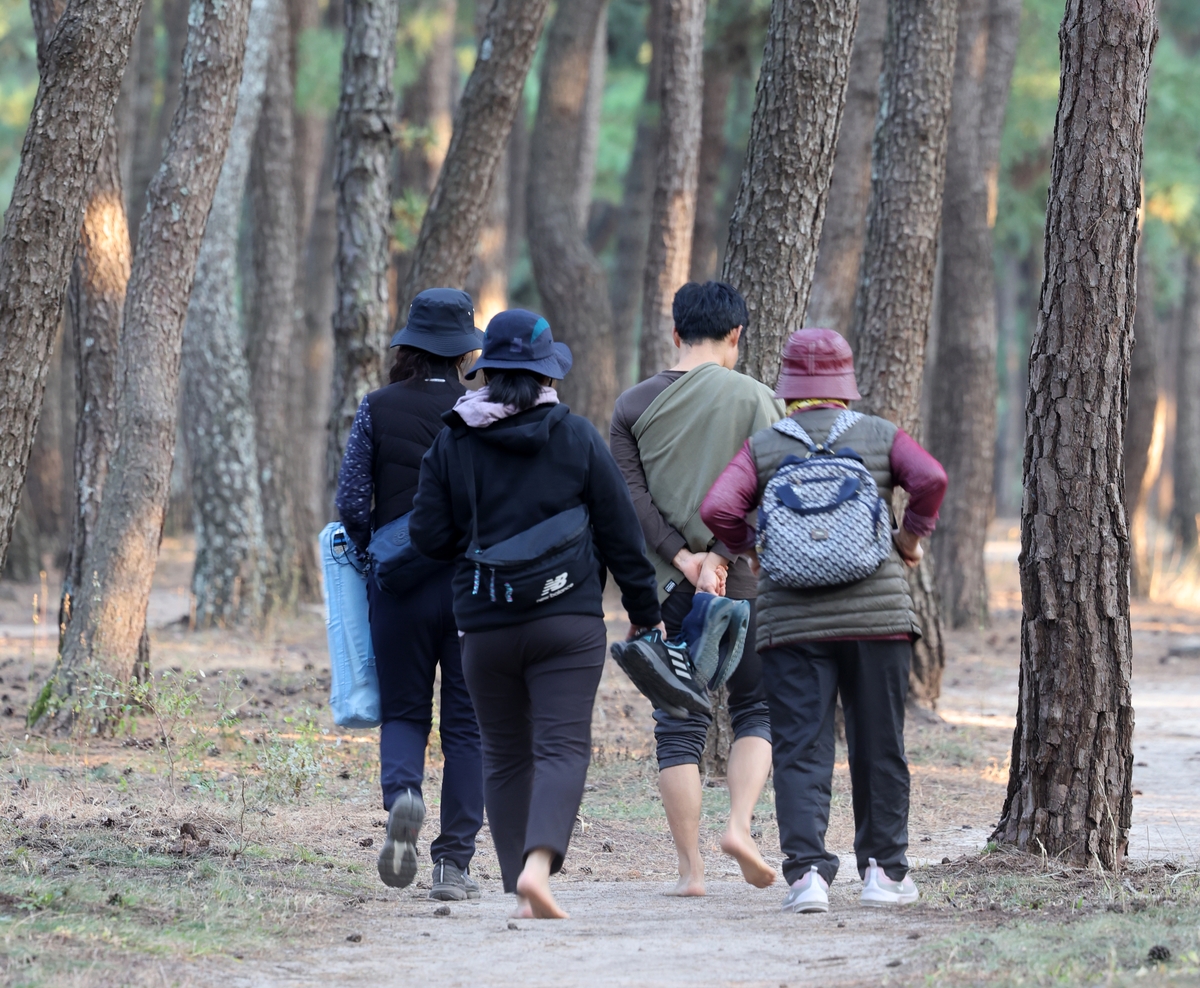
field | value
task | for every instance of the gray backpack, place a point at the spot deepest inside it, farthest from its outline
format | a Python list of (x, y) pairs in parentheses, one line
[(822, 522)]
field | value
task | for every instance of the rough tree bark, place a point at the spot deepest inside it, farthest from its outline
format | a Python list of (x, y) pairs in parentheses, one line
[(962, 427), (96, 297), (275, 371), (1185, 513), (776, 222), (673, 208), (144, 150), (633, 224), (230, 572), (81, 71), (1143, 455), (894, 301), (589, 139), (459, 204), (110, 608), (1069, 790), (835, 280), (569, 277)]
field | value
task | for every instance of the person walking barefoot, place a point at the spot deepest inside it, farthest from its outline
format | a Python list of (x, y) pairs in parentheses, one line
[(672, 435), (527, 499)]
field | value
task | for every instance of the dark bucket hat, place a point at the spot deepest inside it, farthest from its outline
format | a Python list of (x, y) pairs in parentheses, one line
[(441, 321), (518, 339)]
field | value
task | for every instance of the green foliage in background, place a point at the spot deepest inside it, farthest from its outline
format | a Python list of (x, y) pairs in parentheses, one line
[(18, 86)]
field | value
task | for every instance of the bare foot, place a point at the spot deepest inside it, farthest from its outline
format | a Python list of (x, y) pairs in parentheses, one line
[(534, 893), (687, 885), (523, 910), (745, 852)]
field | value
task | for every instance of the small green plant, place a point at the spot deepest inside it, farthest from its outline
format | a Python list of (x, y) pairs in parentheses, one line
[(291, 765)]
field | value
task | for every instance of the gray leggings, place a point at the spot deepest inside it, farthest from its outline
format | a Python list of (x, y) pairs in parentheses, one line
[(681, 741), (534, 686)]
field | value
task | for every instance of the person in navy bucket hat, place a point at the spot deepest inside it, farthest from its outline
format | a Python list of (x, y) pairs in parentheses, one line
[(441, 321), (518, 339)]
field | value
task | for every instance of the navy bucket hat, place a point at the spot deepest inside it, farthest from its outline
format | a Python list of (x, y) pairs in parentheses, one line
[(518, 339), (441, 321)]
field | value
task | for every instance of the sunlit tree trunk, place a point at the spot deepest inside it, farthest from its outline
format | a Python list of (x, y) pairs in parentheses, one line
[(81, 71), (110, 608), (1186, 510), (1069, 792)]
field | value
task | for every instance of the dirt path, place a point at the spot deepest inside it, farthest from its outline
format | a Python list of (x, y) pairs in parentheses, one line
[(620, 933)]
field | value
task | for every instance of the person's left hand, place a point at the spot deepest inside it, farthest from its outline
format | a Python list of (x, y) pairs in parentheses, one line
[(909, 546), (713, 574)]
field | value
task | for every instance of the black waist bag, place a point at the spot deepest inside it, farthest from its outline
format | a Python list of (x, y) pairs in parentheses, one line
[(539, 564), (395, 561)]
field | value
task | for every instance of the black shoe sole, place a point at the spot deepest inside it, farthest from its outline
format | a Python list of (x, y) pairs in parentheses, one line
[(398, 857), (657, 682)]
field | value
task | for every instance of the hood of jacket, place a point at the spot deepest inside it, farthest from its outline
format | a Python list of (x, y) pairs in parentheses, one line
[(523, 434)]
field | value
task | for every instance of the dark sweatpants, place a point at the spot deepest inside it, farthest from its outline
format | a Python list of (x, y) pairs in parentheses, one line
[(534, 686), (680, 741), (412, 636), (803, 681)]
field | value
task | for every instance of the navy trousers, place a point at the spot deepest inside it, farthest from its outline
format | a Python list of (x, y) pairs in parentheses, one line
[(412, 636)]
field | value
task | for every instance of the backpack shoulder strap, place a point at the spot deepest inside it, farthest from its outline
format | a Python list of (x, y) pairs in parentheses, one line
[(792, 429), (842, 424)]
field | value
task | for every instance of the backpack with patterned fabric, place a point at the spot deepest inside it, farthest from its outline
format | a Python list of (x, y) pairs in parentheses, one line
[(822, 522)]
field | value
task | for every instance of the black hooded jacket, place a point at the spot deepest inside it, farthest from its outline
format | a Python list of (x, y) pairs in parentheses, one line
[(527, 468)]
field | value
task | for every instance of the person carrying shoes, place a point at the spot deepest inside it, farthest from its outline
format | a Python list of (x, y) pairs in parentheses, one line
[(672, 435), (834, 611), (414, 633), (528, 501)]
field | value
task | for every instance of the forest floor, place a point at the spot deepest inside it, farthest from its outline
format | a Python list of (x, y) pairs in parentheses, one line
[(242, 851)]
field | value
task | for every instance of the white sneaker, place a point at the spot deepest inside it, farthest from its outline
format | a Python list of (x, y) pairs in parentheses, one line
[(809, 894), (879, 890)]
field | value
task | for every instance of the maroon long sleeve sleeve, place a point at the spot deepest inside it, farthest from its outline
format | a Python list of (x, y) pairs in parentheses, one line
[(730, 499), (915, 470)]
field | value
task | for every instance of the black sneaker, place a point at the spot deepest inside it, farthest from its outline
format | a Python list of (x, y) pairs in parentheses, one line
[(452, 885), (398, 857), (663, 672)]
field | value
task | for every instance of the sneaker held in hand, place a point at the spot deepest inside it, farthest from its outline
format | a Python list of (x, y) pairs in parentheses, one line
[(809, 894), (663, 673), (879, 890)]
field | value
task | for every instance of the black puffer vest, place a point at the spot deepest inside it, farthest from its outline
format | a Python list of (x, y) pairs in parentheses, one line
[(405, 419), (881, 604)]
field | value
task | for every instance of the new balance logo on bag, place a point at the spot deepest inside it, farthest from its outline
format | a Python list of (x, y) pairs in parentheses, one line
[(822, 521), (554, 587)]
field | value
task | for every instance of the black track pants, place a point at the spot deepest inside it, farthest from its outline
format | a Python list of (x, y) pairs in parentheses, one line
[(533, 686), (802, 682)]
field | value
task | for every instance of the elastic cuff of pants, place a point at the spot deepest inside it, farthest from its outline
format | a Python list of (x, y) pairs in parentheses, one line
[(671, 761), (754, 731)]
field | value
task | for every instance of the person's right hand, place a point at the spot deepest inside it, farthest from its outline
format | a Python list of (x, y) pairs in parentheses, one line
[(908, 545), (713, 574), (690, 564)]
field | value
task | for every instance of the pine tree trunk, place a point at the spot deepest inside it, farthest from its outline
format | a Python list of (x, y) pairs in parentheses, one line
[(1069, 792), (230, 575), (673, 209), (1141, 462), (835, 281), (364, 212), (776, 223), (633, 224), (569, 277), (81, 72), (275, 367), (718, 84), (962, 427), (144, 151), (589, 139), (97, 299), (109, 616), (44, 479), (459, 204), (1186, 511), (894, 301)]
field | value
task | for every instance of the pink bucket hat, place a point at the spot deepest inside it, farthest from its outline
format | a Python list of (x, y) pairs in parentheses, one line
[(817, 363)]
